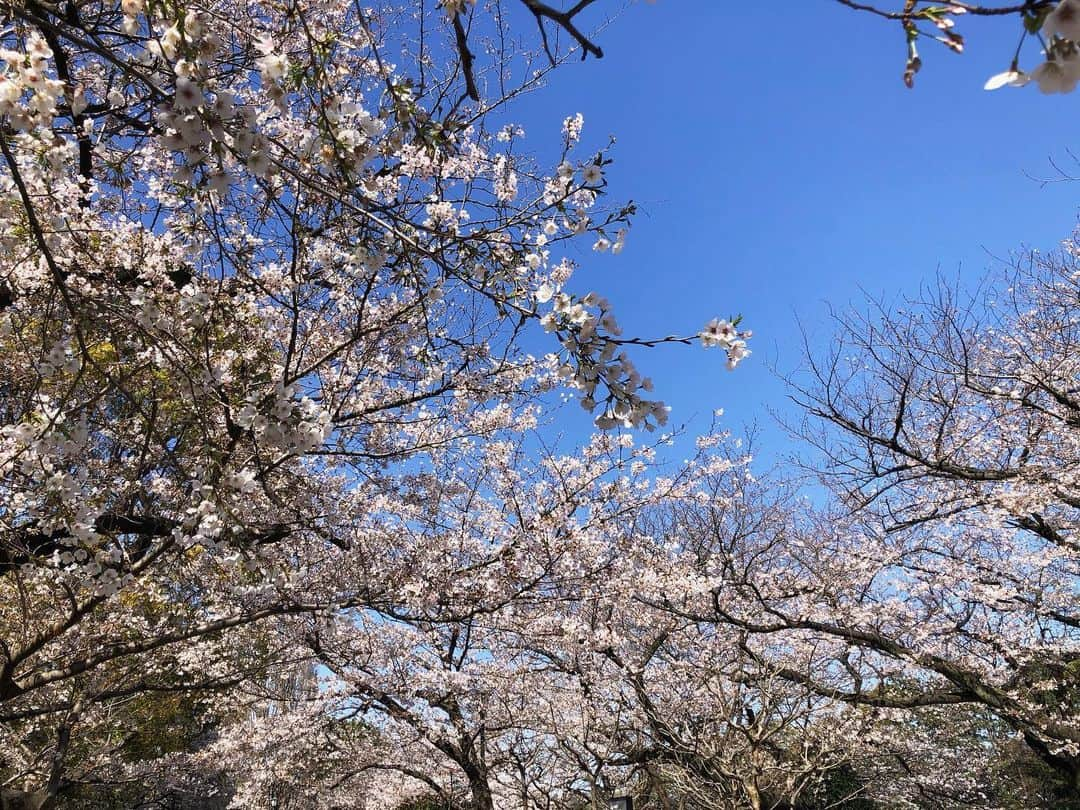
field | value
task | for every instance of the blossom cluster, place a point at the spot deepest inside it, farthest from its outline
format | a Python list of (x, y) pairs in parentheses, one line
[(726, 335), (1060, 72)]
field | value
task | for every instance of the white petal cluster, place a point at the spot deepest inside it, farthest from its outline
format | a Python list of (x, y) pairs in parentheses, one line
[(1060, 71), (726, 335)]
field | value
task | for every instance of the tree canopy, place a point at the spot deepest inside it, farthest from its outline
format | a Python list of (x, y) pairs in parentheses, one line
[(280, 522)]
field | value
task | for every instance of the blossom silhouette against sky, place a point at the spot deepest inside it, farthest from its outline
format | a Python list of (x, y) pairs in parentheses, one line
[(780, 163)]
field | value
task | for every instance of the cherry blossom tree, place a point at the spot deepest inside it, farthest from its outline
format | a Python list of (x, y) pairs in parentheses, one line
[(944, 572), (261, 267), (280, 523), (516, 666)]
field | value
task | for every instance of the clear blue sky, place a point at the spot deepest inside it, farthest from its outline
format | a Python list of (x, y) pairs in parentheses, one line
[(780, 164)]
